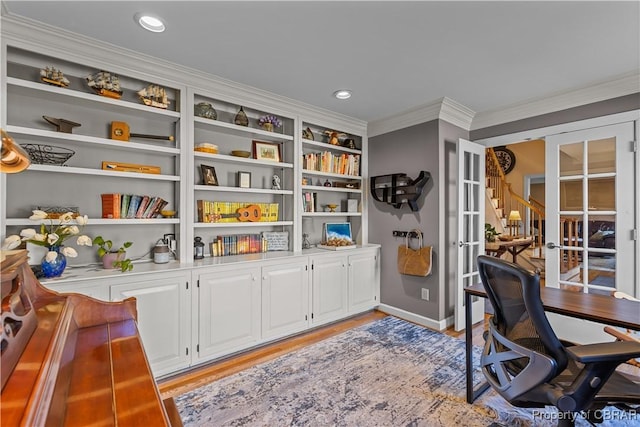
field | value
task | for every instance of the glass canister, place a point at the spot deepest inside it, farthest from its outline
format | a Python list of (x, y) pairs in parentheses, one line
[(161, 252)]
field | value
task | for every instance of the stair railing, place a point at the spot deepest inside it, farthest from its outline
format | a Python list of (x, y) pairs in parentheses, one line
[(509, 200), (569, 232)]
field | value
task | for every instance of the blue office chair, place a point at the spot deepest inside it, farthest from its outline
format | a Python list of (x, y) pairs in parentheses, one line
[(526, 363)]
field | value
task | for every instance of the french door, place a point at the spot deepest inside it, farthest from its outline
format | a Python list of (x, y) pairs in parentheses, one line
[(590, 198), (470, 242)]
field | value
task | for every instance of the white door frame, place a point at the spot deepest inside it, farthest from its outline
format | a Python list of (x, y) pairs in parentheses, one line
[(541, 133), (471, 190)]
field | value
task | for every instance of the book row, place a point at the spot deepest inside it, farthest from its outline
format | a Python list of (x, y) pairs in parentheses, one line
[(238, 244), (344, 164), (117, 206), (309, 201), (214, 211)]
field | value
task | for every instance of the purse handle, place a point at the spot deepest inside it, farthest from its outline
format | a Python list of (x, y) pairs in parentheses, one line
[(418, 233)]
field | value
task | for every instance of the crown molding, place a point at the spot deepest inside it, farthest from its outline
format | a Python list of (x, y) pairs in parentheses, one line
[(39, 37), (444, 109), (411, 117), (615, 87), (457, 114)]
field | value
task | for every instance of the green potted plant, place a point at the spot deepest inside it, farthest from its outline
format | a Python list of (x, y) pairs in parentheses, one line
[(113, 258), (490, 232)]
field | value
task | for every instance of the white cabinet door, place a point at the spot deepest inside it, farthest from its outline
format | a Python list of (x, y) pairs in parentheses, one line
[(98, 290), (364, 281), (285, 299), (329, 284), (229, 311), (164, 313)]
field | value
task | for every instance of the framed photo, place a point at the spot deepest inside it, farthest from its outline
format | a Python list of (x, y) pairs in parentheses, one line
[(337, 230), (244, 179), (266, 151), (209, 175), (337, 236)]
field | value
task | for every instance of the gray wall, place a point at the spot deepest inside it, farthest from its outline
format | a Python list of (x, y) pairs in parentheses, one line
[(407, 151), (583, 112)]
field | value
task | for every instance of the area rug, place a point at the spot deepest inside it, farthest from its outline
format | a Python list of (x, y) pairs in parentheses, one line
[(386, 373)]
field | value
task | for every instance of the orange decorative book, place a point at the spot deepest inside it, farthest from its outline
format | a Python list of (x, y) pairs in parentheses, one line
[(110, 205)]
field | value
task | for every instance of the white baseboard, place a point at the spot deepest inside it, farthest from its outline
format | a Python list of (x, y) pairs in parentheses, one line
[(438, 325)]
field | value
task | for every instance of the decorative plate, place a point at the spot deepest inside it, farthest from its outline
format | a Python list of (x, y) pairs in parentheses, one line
[(506, 158)]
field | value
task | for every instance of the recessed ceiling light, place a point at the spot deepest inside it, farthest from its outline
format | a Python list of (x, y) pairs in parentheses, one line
[(149, 22), (342, 94)]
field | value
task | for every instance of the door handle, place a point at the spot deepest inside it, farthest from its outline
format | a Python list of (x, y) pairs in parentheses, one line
[(552, 245), (461, 244)]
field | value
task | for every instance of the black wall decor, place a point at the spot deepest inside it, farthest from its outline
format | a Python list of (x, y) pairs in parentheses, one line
[(396, 189), (506, 158)]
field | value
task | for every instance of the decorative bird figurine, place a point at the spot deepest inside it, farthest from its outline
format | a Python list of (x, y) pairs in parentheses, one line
[(62, 125), (333, 136)]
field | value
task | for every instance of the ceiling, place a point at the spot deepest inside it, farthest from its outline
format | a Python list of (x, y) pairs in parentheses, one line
[(393, 55)]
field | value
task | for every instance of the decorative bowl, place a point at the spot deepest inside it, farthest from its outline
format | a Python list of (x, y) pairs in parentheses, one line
[(168, 214), (505, 238), (241, 153), (42, 154), (205, 110)]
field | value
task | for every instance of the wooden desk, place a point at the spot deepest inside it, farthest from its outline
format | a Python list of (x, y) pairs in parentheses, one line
[(597, 308), (514, 247)]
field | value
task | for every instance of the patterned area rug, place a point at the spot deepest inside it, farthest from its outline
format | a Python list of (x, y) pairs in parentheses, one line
[(386, 373)]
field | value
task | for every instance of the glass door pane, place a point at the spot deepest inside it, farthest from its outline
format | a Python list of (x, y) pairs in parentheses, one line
[(587, 215), (593, 209)]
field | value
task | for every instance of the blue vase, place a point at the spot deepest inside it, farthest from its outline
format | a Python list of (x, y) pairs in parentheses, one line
[(56, 267)]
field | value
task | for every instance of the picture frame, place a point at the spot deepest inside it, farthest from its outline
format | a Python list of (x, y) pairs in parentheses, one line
[(337, 236), (266, 151), (337, 230), (276, 240), (208, 175), (244, 179)]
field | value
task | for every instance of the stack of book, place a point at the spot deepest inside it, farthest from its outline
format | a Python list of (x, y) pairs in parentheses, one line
[(238, 244), (210, 211), (118, 206), (309, 202), (344, 164)]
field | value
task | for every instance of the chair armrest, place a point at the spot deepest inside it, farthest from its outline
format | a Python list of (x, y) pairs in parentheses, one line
[(604, 352)]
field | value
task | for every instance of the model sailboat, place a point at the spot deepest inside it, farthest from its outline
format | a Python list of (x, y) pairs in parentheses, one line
[(105, 84), (154, 96), (53, 76)]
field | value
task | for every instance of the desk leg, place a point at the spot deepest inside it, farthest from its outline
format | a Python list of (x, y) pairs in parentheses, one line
[(468, 333), (468, 346)]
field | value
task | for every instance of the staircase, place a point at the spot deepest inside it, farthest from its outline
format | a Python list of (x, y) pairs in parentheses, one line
[(514, 216)]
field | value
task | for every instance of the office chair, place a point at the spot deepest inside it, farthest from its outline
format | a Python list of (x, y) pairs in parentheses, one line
[(526, 363)]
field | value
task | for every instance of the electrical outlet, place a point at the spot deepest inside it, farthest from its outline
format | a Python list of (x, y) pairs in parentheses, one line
[(425, 294)]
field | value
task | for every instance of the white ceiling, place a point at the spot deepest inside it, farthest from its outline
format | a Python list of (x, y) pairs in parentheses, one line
[(394, 55)]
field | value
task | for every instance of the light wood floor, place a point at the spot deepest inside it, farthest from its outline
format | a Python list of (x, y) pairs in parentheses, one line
[(195, 378)]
